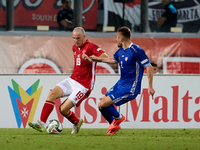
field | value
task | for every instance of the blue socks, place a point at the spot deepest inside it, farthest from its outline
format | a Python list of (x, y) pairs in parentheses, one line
[(109, 113)]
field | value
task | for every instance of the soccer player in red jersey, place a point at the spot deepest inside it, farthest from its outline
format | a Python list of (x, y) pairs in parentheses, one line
[(77, 87)]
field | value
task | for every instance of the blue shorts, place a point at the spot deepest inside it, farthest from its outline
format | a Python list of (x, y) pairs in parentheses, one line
[(120, 94)]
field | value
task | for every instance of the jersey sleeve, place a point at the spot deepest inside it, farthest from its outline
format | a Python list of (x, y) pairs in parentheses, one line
[(142, 57), (115, 56), (96, 50)]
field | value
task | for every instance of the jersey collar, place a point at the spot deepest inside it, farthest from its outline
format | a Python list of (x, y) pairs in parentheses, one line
[(130, 45), (84, 44)]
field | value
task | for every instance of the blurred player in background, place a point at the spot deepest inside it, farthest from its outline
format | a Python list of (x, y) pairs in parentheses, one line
[(77, 87), (65, 17), (132, 61), (168, 18)]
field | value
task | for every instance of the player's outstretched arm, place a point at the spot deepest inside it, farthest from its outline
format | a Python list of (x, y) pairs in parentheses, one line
[(151, 91), (102, 58)]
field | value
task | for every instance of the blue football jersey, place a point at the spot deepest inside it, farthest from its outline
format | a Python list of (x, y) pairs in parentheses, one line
[(132, 62)]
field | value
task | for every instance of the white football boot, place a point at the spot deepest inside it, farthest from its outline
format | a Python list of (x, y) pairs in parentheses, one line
[(76, 127)]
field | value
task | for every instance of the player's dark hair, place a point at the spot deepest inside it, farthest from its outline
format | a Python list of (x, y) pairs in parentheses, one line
[(125, 32)]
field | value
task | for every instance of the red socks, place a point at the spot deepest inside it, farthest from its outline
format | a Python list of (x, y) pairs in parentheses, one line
[(46, 110), (72, 118)]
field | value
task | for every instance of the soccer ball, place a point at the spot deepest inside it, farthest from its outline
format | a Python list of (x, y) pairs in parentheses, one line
[(54, 127)]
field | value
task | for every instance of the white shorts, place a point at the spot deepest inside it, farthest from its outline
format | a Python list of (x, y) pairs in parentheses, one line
[(74, 90)]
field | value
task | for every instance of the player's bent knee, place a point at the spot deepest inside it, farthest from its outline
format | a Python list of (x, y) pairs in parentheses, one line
[(55, 94), (65, 107), (106, 101), (63, 111), (52, 96), (101, 104)]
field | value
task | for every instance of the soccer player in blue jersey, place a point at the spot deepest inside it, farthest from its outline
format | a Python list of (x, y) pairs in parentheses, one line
[(132, 61)]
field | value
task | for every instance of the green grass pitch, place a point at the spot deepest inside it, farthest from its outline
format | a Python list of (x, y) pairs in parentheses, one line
[(95, 139)]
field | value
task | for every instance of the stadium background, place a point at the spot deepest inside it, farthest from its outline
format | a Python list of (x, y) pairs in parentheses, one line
[(27, 50)]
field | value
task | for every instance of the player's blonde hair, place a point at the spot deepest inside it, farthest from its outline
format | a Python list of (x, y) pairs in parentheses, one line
[(79, 30)]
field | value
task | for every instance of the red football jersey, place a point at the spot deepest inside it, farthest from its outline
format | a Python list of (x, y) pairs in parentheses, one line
[(84, 71)]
